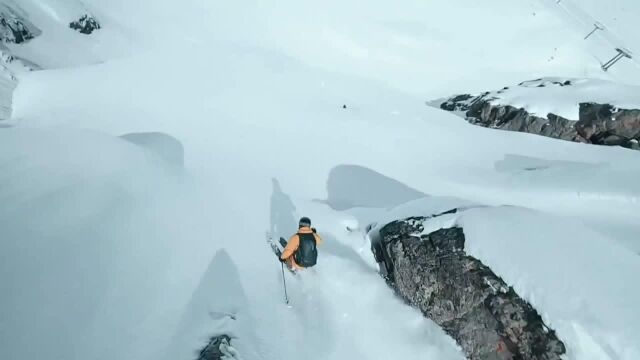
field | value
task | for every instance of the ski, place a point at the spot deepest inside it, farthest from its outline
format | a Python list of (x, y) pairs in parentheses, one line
[(274, 247), (276, 250)]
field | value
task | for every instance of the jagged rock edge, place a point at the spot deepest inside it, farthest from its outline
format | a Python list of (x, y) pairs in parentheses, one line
[(556, 346)]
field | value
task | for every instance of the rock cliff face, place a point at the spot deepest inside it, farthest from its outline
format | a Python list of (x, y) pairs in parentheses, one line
[(597, 123), (604, 124), (506, 117), (471, 303)]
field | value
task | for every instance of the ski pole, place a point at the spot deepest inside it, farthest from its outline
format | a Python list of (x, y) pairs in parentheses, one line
[(284, 283)]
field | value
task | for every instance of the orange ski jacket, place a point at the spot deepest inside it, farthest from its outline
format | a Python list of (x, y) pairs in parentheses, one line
[(294, 243)]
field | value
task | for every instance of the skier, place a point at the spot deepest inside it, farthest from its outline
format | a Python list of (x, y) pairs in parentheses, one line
[(300, 251)]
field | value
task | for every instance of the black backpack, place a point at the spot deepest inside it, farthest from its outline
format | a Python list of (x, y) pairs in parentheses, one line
[(307, 254)]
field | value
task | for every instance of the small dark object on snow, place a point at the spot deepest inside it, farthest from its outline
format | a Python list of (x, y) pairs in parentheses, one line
[(85, 25), (344, 106)]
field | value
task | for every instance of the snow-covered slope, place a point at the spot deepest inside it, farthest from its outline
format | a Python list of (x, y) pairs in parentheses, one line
[(615, 30), (106, 248), (53, 44)]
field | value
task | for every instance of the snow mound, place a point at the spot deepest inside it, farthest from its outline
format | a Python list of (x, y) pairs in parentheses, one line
[(163, 145), (218, 307), (87, 220)]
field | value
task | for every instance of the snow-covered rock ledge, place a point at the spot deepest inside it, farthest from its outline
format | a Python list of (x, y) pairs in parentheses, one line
[(582, 110), (510, 283), (432, 271)]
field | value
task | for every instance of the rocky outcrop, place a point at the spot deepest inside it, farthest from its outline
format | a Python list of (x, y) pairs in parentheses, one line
[(432, 272), (85, 25), (600, 124), (14, 26), (507, 117), (604, 124)]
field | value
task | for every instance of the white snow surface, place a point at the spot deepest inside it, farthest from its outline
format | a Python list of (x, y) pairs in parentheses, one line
[(106, 252)]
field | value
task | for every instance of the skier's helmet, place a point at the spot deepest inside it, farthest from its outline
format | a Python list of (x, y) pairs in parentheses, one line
[(304, 221)]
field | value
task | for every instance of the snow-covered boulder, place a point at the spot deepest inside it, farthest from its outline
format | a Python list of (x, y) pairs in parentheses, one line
[(432, 271), (581, 110), (85, 25)]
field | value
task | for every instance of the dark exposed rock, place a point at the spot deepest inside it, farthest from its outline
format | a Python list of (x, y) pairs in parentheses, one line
[(85, 25), (472, 304), (457, 103), (15, 28), (603, 124), (215, 348), (544, 83), (506, 117), (600, 124)]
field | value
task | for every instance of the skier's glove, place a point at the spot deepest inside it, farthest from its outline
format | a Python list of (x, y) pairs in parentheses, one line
[(282, 260)]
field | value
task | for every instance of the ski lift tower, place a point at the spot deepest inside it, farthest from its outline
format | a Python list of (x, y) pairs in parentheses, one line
[(622, 53), (597, 26)]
